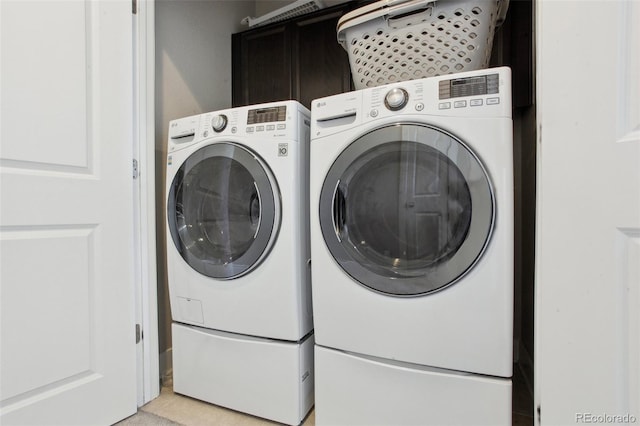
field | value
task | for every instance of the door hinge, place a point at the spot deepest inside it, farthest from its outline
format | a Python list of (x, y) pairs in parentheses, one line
[(134, 6), (135, 168), (138, 333), (539, 415)]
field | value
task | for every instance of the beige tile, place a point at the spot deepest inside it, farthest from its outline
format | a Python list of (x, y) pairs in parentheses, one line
[(142, 418), (520, 420), (192, 412)]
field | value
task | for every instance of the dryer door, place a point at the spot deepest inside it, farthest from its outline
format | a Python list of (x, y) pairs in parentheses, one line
[(407, 209), (223, 210)]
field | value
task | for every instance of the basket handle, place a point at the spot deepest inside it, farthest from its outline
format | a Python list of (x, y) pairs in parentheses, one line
[(393, 3), (403, 10)]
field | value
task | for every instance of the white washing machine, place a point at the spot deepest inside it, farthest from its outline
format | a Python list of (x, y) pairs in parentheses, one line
[(412, 247), (238, 259)]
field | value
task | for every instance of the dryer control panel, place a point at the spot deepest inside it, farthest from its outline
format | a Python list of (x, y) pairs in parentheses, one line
[(484, 93), (487, 84), (475, 94)]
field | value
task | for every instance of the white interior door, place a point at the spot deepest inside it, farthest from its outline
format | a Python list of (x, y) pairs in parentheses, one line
[(66, 291), (587, 357)]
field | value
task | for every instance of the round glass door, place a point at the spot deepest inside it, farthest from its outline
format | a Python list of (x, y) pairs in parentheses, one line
[(407, 210), (223, 210)]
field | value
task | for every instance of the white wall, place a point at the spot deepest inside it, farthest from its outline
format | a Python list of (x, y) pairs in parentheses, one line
[(193, 75), (193, 56)]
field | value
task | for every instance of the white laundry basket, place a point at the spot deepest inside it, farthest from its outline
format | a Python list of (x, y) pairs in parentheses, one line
[(397, 40)]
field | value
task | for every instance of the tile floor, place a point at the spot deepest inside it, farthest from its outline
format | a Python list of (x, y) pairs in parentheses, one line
[(171, 409)]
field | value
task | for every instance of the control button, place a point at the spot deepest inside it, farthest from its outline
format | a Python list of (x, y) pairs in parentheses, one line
[(396, 99), (249, 129), (259, 128), (219, 122), (444, 105), (460, 104), (475, 102), (493, 101), (282, 126), (419, 106), (374, 113), (234, 129), (271, 127)]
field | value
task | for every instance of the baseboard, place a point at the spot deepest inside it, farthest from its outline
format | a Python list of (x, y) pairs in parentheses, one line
[(166, 367)]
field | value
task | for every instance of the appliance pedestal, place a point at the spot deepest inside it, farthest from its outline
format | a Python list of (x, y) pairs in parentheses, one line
[(267, 378), (360, 390)]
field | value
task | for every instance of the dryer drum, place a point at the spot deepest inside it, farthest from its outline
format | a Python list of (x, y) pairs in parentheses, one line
[(407, 209)]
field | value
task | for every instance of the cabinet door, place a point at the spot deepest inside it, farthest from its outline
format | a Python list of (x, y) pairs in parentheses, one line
[(262, 66), (321, 67), (299, 59)]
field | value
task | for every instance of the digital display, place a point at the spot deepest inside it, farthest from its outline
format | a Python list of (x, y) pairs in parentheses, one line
[(469, 86), (267, 115)]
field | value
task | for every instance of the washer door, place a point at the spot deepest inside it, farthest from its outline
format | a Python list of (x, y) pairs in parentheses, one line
[(223, 210), (407, 209)]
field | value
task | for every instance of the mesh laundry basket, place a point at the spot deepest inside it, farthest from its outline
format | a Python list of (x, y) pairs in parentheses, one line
[(397, 40)]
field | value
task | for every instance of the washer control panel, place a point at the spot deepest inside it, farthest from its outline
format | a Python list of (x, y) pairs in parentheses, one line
[(256, 123), (267, 119), (267, 115)]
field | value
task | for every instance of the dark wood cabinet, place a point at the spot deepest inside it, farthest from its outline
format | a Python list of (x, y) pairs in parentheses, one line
[(264, 67), (298, 59), (513, 47), (321, 67)]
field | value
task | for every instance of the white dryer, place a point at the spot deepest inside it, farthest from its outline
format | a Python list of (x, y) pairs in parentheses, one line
[(412, 247), (238, 259)]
